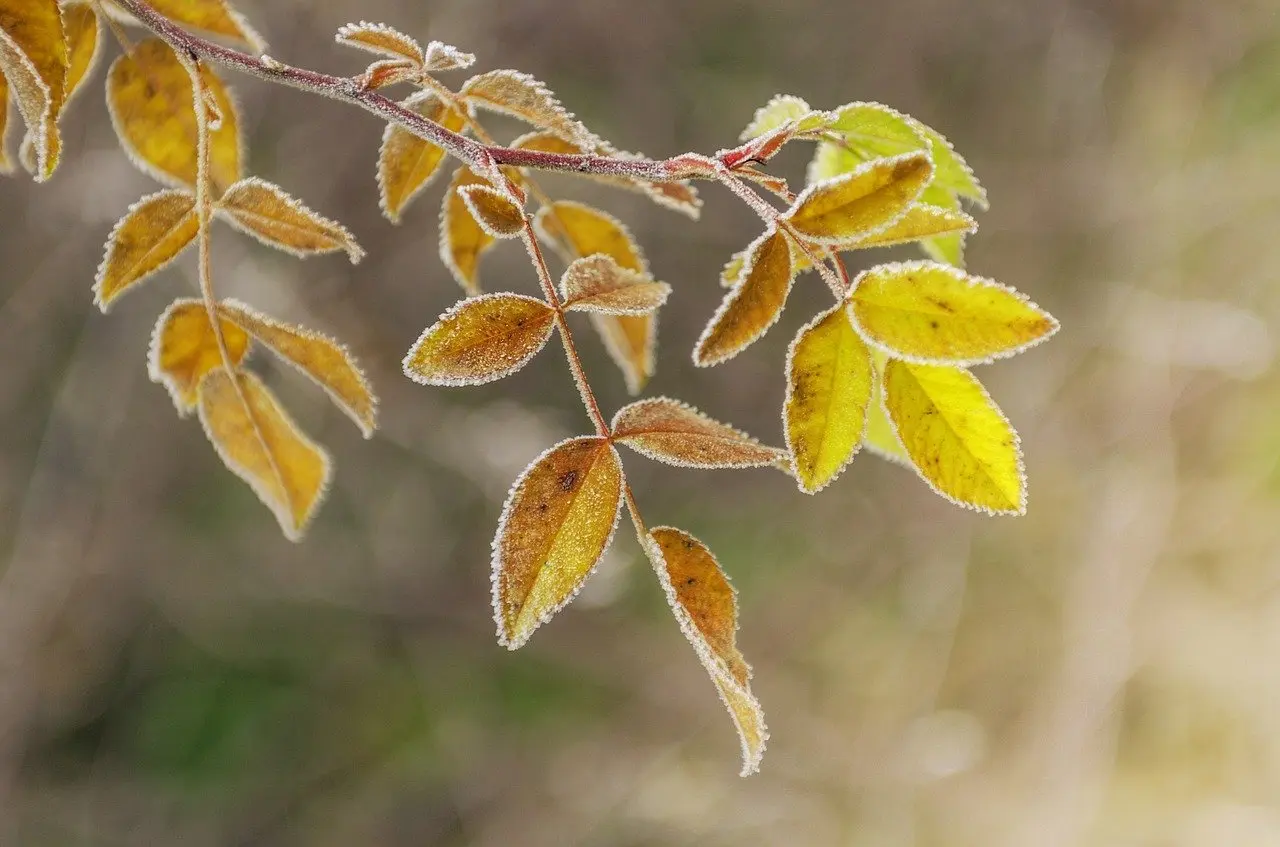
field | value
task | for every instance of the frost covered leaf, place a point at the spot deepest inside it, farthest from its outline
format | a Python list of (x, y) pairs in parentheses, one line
[(387, 72), (153, 111), (381, 40), (462, 240), (881, 438), (406, 162), (557, 522), (496, 213), (446, 57), (952, 171), (184, 349), (774, 114), (34, 59), (212, 16), (325, 361), (753, 305), (922, 221), (706, 607), (480, 340), (957, 438), (630, 339), (867, 199), (829, 376), (6, 164), (150, 236), (521, 96), (677, 434), (266, 212), (598, 284), (925, 311), (261, 444), (84, 37), (946, 248)]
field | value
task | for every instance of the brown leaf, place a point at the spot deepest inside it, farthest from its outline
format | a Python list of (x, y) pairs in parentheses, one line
[(152, 234), (261, 444), (462, 240), (521, 96), (496, 213), (598, 284), (34, 58), (212, 16), (557, 522), (266, 212), (751, 306), (678, 434), (84, 37), (382, 40), (862, 202), (406, 162), (184, 349), (480, 340)]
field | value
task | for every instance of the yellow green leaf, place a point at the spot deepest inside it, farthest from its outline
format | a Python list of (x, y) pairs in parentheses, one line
[(829, 379), (958, 439), (706, 607), (34, 59), (480, 340), (152, 234), (774, 114), (921, 222), (184, 349), (382, 40), (406, 162), (678, 434), (521, 96), (881, 438), (215, 17), (153, 111), (753, 305), (853, 205), (84, 38), (930, 312), (496, 213), (557, 522), (263, 210), (952, 172), (261, 444), (462, 240), (945, 248), (598, 284)]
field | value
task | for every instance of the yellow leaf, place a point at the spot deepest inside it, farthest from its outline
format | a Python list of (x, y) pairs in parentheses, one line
[(496, 213), (266, 212), (33, 56), (462, 240), (753, 305), (184, 349), (382, 40), (84, 38), (921, 221), (881, 438), (598, 284), (949, 248), (406, 162), (929, 312), (958, 439), (706, 607), (153, 111), (480, 340), (829, 379), (328, 363), (521, 96), (557, 522), (212, 16), (630, 341), (152, 234), (261, 444), (678, 434), (861, 202), (446, 57)]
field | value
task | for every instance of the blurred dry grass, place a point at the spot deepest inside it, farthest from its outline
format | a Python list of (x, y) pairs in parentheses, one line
[(1096, 673)]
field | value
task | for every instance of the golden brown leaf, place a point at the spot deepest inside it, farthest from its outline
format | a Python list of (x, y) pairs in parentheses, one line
[(184, 349), (328, 363), (480, 340), (446, 57), (266, 212), (212, 16), (598, 284), (496, 213), (862, 202), (678, 434), (406, 162), (753, 305), (6, 164), (706, 607), (33, 56), (521, 96), (557, 522), (462, 240), (153, 111), (382, 40), (261, 444), (152, 234), (84, 37)]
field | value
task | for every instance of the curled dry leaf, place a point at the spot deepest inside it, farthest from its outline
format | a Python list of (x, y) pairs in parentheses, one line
[(216, 17), (462, 240), (266, 212), (382, 40), (480, 340), (860, 203), (925, 311), (84, 38), (34, 60), (958, 439), (184, 349), (261, 444), (152, 234), (496, 213), (678, 434), (753, 305), (599, 284), (521, 96), (557, 522), (153, 111), (706, 607), (406, 163)]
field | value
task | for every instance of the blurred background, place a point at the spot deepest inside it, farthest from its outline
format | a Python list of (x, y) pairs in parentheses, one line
[(1099, 672)]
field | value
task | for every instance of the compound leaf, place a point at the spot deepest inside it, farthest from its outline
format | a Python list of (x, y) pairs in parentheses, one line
[(753, 304), (599, 284), (151, 234), (184, 349), (406, 163), (265, 211), (678, 434), (859, 203), (480, 340), (34, 59)]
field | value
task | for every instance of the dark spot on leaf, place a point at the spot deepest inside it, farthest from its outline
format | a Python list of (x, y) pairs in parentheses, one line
[(568, 480)]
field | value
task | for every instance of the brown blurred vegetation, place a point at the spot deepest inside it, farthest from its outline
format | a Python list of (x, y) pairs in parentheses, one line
[(1099, 672)]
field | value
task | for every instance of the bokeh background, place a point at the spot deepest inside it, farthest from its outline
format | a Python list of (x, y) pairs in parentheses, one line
[(1100, 672)]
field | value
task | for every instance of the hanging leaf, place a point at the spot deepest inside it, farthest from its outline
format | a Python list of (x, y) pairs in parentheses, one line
[(6, 164), (263, 210), (151, 234), (925, 311), (462, 240), (406, 162), (184, 349), (854, 205), (521, 96), (881, 438), (382, 40), (753, 305), (921, 222), (598, 284), (557, 522), (153, 111), (261, 444), (496, 213), (34, 59), (706, 607), (446, 57), (480, 340), (829, 378), (84, 37), (958, 439), (678, 434), (328, 363), (215, 17)]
